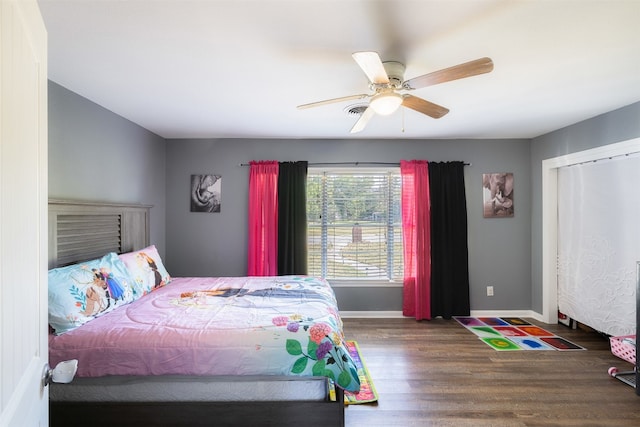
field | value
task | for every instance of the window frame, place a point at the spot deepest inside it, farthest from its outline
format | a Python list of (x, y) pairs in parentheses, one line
[(355, 170)]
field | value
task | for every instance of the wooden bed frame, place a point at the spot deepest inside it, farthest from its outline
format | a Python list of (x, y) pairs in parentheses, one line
[(81, 231)]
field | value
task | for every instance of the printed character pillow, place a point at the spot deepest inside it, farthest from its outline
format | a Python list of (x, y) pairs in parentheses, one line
[(146, 269), (79, 293)]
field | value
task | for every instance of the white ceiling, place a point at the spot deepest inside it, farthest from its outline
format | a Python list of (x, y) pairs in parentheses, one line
[(236, 69)]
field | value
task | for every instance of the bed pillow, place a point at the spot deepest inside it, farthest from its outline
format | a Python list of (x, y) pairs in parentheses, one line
[(81, 292), (146, 269)]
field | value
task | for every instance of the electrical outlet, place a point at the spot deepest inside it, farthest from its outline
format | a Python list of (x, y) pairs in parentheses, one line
[(489, 291)]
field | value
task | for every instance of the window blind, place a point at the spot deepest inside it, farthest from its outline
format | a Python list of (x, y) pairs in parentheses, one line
[(354, 224)]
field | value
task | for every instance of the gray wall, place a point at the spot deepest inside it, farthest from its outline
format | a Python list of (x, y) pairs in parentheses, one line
[(202, 244), (616, 126), (97, 155)]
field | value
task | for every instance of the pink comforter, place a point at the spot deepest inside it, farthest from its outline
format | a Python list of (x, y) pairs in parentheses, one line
[(284, 325)]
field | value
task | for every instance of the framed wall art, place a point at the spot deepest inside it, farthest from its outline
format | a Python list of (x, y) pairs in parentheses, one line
[(497, 195), (206, 195)]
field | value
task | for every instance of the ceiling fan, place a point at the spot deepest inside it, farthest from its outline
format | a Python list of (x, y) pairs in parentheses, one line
[(386, 80)]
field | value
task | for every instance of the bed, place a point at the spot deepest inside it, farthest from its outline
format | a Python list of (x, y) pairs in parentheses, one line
[(159, 350)]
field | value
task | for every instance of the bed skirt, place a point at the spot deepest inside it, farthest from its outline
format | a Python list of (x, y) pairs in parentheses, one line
[(195, 401)]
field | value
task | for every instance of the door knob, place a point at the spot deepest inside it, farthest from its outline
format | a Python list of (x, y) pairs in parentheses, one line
[(63, 373)]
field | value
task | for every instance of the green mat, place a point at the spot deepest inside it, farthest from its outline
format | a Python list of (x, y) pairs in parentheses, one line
[(367, 393)]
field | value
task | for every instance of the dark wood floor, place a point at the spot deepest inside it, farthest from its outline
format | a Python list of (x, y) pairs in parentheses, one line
[(436, 373)]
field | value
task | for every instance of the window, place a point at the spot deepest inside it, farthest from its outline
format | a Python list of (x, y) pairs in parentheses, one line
[(354, 226)]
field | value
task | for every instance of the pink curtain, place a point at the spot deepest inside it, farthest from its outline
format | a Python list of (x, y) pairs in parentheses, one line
[(416, 233), (263, 219)]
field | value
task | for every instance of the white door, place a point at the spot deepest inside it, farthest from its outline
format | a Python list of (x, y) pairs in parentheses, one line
[(23, 214)]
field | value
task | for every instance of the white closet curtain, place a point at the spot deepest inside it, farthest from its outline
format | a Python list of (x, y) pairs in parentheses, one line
[(599, 242)]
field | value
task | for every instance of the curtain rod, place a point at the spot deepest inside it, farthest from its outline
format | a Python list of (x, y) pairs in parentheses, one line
[(633, 153), (352, 163)]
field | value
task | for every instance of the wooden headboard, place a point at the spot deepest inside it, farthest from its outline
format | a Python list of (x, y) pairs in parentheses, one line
[(80, 231)]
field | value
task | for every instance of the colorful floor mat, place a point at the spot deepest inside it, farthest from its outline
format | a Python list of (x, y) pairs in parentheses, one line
[(514, 333), (367, 393)]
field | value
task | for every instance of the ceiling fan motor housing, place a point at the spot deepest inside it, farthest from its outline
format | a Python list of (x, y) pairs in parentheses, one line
[(395, 72)]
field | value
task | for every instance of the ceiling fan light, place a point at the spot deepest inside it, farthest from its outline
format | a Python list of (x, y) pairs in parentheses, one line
[(386, 103)]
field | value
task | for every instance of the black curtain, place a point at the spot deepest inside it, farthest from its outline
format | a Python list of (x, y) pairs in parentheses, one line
[(449, 250), (292, 218)]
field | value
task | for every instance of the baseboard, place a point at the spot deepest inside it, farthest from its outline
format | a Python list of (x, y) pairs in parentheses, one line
[(371, 314), (507, 313), (475, 313)]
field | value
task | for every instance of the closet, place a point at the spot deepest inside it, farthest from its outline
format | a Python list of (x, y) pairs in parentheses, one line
[(599, 242)]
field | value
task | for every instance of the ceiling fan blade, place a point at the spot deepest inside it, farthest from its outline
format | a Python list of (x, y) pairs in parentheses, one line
[(371, 64), (461, 71), (425, 107), (333, 100), (363, 120)]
